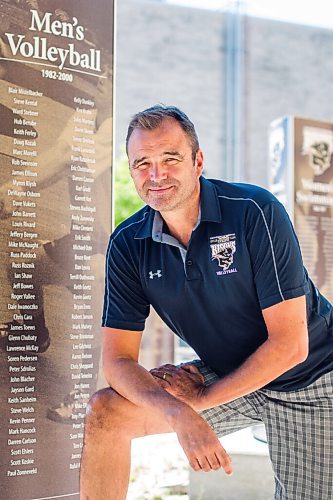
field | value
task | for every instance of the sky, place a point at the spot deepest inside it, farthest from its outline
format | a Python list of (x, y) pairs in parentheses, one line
[(311, 12)]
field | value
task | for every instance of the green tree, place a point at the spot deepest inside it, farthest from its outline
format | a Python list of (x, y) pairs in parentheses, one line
[(126, 198)]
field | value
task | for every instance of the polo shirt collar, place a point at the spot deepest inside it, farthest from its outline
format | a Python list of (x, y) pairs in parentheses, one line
[(146, 227), (209, 204)]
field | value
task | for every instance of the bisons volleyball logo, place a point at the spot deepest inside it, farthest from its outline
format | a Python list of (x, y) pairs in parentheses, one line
[(223, 249)]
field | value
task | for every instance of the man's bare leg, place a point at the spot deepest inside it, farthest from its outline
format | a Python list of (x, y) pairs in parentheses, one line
[(111, 423)]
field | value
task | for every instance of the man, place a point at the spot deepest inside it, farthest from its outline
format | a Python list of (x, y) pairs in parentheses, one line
[(221, 265)]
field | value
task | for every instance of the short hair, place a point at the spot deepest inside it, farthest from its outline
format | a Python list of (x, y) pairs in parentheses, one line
[(152, 118)]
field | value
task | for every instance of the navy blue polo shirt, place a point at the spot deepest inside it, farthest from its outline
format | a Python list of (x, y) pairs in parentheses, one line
[(243, 256)]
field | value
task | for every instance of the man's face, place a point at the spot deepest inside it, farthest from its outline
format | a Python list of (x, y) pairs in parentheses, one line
[(162, 167)]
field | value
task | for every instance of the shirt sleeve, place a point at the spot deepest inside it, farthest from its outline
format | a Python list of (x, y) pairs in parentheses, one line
[(277, 264), (125, 304)]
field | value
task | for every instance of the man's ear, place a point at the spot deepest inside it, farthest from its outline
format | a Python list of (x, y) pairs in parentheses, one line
[(199, 161)]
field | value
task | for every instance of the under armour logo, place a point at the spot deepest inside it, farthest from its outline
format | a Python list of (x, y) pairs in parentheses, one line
[(158, 274)]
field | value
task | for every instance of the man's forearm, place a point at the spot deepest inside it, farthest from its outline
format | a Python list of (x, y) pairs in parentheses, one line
[(137, 385)]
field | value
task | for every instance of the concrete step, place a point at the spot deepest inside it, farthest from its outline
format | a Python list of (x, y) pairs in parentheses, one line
[(252, 478)]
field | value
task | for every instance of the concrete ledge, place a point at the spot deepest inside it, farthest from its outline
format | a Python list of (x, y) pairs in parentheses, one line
[(252, 480)]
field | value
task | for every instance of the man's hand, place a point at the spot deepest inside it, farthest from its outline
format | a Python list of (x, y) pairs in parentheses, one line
[(185, 383), (200, 444)]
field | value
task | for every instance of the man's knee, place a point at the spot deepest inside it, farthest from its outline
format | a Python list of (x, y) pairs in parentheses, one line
[(105, 412), (110, 414)]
